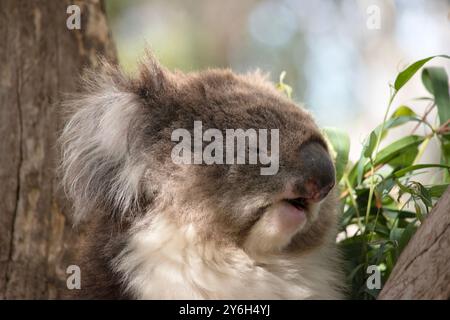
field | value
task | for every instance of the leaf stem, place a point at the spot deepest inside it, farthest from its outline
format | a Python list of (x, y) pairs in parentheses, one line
[(377, 146), (352, 199)]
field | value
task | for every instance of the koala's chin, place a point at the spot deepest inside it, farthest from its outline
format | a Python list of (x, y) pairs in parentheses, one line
[(164, 229)]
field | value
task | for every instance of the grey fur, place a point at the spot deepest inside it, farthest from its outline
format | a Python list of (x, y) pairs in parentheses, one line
[(117, 169)]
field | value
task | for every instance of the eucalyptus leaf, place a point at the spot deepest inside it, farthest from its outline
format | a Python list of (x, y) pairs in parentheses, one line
[(406, 235), (405, 158), (425, 195), (396, 148), (395, 121), (340, 144), (404, 76), (370, 145), (403, 111), (435, 79), (436, 191), (445, 151), (357, 172), (397, 214), (401, 172), (396, 234)]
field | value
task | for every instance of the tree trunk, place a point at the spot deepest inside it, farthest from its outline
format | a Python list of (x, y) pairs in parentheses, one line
[(40, 59), (423, 269)]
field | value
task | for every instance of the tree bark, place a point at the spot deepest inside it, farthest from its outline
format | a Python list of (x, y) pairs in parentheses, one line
[(423, 269), (40, 59)]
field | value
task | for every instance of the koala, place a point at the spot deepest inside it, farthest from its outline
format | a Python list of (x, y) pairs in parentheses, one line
[(159, 229)]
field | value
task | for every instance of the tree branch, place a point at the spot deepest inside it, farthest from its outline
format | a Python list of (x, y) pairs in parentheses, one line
[(423, 269)]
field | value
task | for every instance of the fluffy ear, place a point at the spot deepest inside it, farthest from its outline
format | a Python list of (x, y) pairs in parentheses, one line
[(101, 169), (154, 80)]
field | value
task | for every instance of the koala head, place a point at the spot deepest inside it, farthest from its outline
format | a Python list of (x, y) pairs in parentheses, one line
[(118, 157)]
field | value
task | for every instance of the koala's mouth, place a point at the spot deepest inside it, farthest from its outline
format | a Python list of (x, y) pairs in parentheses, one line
[(299, 203)]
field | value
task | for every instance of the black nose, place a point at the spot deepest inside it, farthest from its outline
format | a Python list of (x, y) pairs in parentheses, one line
[(317, 172)]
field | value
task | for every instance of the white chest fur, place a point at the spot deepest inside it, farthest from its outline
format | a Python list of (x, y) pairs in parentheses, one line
[(164, 262)]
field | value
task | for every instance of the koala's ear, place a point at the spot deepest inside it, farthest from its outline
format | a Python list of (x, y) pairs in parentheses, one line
[(100, 171), (154, 80)]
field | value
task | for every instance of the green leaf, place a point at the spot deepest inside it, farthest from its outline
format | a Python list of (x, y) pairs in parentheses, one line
[(403, 188), (360, 169), (418, 211), (385, 186), (379, 228), (425, 195), (397, 214), (427, 81), (361, 166), (406, 235), (370, 145), (435, 79), (445, 156), (395, 121), (438, 190), (404, 76), (396, 234), (405, 158), (380, 253), (339, 142), (398, 121), (396, 148), (403, 111), (402, 172)]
